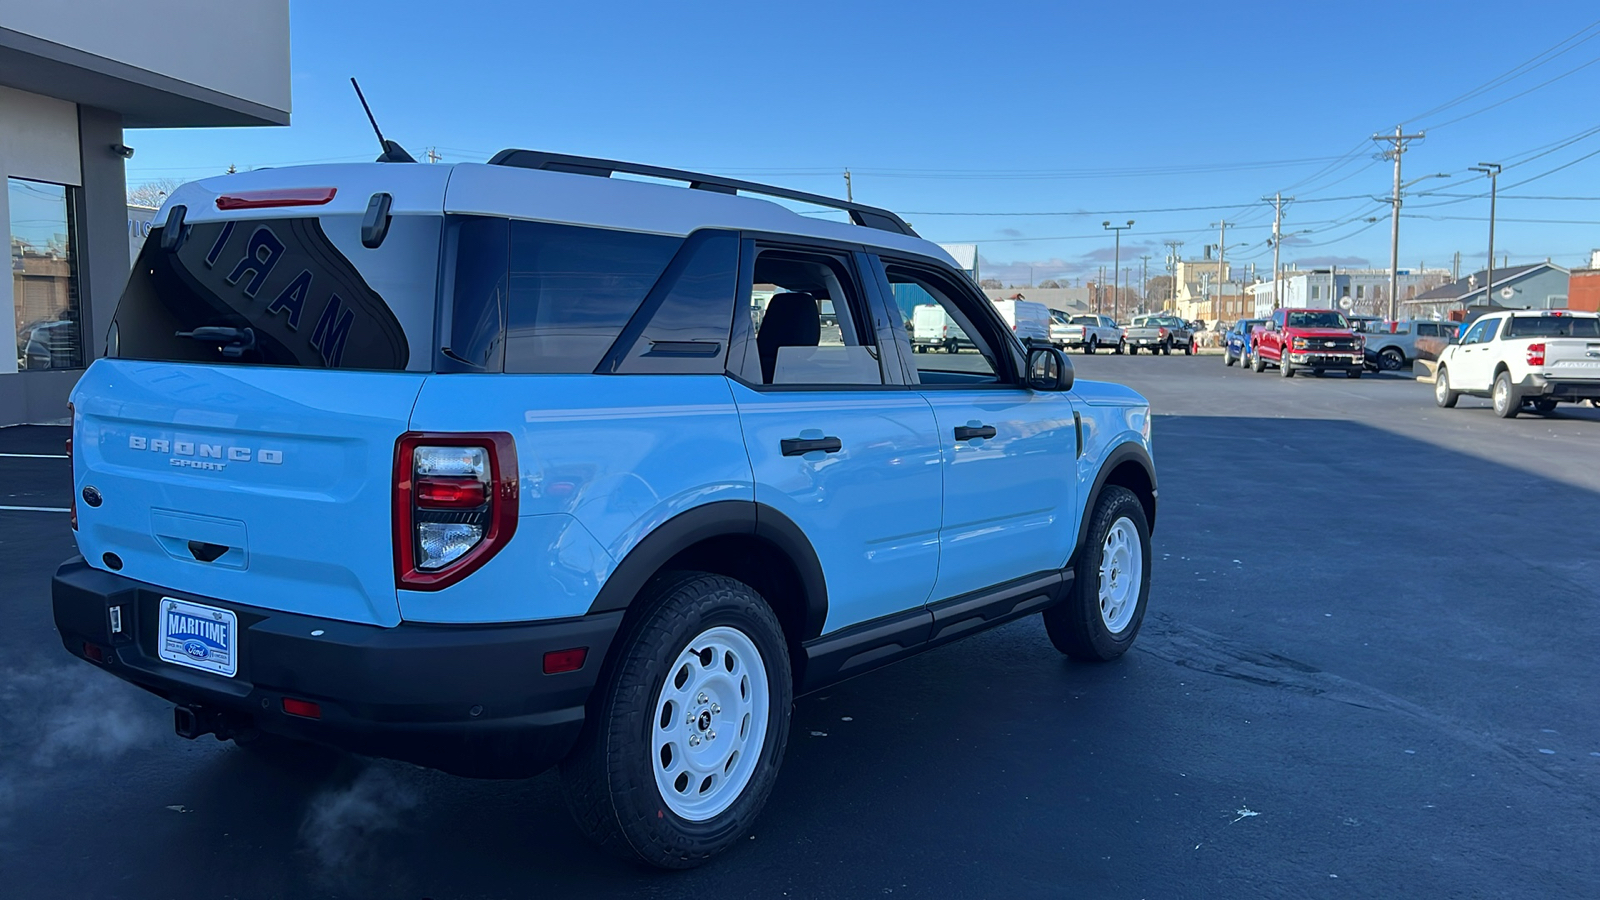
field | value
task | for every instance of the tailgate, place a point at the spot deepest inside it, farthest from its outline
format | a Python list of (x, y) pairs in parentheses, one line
[(258, 485), (1572, 359)]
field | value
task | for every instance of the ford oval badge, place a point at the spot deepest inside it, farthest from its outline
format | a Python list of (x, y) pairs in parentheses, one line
[(196, 649)]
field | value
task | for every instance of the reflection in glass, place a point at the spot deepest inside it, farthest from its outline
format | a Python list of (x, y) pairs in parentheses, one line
[(44, 282)]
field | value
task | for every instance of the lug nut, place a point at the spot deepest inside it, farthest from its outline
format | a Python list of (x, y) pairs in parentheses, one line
[(715, 709), (701, 697), (711, 735), (694, 740)]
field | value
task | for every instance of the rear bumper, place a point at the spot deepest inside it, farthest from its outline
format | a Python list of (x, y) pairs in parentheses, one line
[(1539, 386), (471, 700)]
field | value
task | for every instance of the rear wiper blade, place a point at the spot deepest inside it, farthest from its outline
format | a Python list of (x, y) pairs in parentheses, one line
[(234, 341)]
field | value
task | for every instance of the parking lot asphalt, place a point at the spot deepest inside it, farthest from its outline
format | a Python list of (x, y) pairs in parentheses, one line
[(1368, 670)]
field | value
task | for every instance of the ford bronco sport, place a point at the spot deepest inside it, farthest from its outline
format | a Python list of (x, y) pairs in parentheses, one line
[(496, 467)]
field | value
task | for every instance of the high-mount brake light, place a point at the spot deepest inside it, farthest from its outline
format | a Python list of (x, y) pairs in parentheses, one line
[(1536, 354), (455, 505), (279, 197)]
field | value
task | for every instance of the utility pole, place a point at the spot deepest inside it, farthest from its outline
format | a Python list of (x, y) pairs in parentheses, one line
[(1222, 266), (433, 155), (1493, 171), (849, 190), (1277, 239), (1172, 270), (1455, 267), (1144, 283), (1397, 149)]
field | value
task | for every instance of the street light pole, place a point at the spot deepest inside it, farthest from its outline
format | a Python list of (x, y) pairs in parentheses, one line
[(1116, 260), (1493, 171), (1222, 266)]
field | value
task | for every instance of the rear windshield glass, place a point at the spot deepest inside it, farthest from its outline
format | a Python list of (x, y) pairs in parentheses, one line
[(1317, 320), (299, 292), (1552, 326)]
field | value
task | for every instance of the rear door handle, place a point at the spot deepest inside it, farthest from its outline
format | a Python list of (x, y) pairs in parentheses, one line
[(802, 446), (968, 432)]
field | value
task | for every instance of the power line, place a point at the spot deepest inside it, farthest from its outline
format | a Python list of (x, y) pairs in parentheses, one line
[(1513, 73), (1520, 94)]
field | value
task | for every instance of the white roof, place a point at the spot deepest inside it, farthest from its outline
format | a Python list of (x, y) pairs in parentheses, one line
[(534, 194)]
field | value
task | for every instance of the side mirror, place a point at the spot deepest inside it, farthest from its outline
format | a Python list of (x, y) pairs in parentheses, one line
[(1271, 325), (1049, 369)]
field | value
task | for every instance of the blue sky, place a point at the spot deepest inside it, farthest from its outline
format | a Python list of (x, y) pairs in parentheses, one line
[(1098, 111)]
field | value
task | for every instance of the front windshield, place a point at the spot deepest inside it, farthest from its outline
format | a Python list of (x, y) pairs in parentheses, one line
[(1318, 320)]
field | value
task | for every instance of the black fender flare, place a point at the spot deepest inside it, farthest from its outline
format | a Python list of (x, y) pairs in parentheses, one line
[(1123, 452), (711, 520)]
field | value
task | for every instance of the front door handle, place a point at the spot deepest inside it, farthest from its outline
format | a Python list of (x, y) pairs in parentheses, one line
[(802, 446), (968, 432)]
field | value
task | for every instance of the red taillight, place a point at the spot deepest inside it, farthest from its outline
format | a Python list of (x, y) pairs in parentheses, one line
[(284, 197), (72, 475), (1536, 354), (1163, 332), (446, 492), (453, 511), (557, 661), (302, 708)]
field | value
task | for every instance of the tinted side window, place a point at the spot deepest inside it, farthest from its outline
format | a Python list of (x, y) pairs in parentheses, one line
[(572, 290), (478, 308), (682, 328)]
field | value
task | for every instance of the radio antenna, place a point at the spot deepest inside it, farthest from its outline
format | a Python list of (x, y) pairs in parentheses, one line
[(392, 152)]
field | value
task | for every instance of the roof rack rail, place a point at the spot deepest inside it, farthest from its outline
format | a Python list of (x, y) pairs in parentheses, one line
[(866, 216)]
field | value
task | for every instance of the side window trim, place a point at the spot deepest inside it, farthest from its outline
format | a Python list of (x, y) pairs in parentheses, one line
[(891, 330)]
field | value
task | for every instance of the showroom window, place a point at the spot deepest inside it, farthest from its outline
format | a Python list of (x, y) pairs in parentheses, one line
[(44, 276)]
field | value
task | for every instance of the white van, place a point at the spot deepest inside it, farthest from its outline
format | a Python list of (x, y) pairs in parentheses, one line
[(1028, 320), (933, 329)]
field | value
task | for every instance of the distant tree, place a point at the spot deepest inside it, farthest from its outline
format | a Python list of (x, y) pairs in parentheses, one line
[(990, 283), (1159, 289), (1050, 283), (152, 193)]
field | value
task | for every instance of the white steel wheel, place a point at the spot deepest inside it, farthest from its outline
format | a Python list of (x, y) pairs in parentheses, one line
[(1121, 573), (710, 723)]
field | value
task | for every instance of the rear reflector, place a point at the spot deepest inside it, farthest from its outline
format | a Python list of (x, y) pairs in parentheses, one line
[(97, 655), (557, 661), (265, 199), (303, 708)]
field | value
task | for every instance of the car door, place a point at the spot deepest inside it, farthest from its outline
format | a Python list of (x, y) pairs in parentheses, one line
[(1473, 362), (1008, 453), (837, 443)]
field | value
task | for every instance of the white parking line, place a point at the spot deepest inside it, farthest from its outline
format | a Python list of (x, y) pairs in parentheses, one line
[(34, 509), (34, 456)]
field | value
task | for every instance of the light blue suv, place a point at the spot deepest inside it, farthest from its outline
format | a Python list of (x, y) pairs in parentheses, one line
[(495, 467)]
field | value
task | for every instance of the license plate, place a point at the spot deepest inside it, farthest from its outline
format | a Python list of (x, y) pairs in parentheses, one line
[(200, 637)]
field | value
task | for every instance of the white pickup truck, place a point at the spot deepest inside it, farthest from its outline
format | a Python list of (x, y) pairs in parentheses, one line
[(1520, 358), (1085, 332)]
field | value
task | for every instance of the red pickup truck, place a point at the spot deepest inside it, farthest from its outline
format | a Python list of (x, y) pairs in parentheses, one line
[(1320, 340)]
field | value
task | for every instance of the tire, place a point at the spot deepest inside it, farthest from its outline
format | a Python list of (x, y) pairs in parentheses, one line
[(1166, 348), (1188, 349), (1504, 397), (1284, 368), (1352, 373), (1133, 350), (1260, 365), (920, 349), (1320, 373), (1391, 359), (1098, 625), (1120, 346), (1544, 407), (1227, 358), (1443, 397), (949, 346), (1090, 347), (618, 776)]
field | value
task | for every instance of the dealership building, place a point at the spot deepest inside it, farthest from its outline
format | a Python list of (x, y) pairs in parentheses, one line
[(73, 75)]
